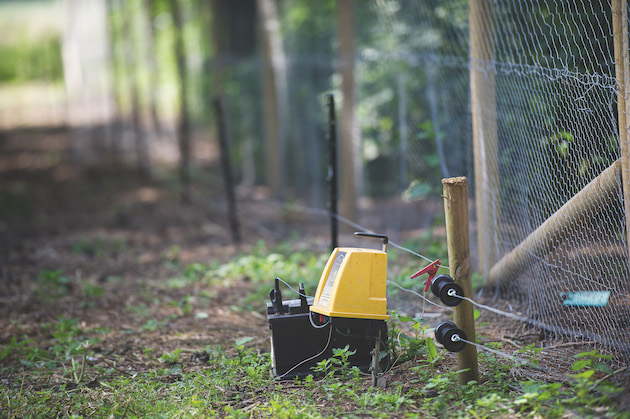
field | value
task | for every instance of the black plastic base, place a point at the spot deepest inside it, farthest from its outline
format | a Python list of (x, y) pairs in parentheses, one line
[(294, 339)]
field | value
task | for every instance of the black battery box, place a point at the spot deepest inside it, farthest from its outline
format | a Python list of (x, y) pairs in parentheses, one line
[(297, 345)]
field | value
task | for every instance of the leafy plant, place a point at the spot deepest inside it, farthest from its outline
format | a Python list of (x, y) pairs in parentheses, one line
[(171, 357), (338, 364), (79, 366), (98, 246), (54, 280), (15, 347), (339, 377), (92, 290), (415, 343)]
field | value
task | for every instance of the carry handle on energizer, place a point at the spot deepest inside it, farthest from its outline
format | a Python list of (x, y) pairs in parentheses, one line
[(375, 236)]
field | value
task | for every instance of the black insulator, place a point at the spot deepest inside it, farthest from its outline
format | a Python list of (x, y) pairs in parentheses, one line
[(443, 286), (439, 330), (449, 336)]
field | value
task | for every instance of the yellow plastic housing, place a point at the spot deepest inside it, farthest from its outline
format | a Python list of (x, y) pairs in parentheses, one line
[(353, 284)]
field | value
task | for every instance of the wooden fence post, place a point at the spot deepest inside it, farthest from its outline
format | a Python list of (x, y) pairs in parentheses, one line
[(484, 126), (622, 73), (458, 241)]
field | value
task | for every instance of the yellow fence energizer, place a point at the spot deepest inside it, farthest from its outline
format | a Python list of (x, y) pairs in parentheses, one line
[(349, 310)]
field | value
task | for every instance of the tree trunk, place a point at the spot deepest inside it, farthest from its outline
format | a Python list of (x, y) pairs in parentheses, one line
[(147, 6), (183, 123), (274, 94), (131, 67), (114, 129), (84, 46), (350, 152)]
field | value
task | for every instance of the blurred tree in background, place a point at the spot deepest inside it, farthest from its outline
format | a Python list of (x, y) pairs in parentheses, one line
[(272, 62)]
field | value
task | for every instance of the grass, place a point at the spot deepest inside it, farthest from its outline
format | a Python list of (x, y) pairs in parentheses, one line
[(236, 382), (68, 368)]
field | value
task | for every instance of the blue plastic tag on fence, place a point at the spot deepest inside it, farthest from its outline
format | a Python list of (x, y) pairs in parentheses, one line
[(587, 299)]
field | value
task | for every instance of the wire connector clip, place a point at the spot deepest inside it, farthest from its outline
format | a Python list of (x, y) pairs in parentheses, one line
[(431, 269)]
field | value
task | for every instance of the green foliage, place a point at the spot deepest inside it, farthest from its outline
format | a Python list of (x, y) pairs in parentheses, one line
[(152, 325), (31, 44), (15, 347), (99, 246), (93, 291), (53, 279), (411, 342), (173, 253), (52, 284), (432, 353), (417, 189), (185, 305), (26, 60), (338, 364), (171, 357), (260, 268), (400, 62), (302, 266), (67, 344), (375, 400)]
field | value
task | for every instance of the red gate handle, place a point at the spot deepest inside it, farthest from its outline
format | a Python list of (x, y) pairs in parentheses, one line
[(431, 269)]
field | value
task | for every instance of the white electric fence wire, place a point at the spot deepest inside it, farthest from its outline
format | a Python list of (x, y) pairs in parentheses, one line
[(453, 293), (419, 295), (456, 338), (328, 213), (424, 305), (321, 326), (311, 358), (517, 360), (400, 351), (550, 326), (293, 289)]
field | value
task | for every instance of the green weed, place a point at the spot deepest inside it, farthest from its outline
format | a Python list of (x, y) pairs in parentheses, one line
[(52, 284), (411, 342), (171, 357), (92, 291), (99, 246), (67, 343)]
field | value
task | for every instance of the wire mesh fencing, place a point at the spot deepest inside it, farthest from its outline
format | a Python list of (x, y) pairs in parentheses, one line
[(543, 125)]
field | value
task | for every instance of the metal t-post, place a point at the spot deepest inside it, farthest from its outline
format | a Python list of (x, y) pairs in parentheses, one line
[(332, 171)]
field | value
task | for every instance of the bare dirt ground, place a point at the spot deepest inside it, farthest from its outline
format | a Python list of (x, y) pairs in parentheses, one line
[(99, 244), (109, 241)]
